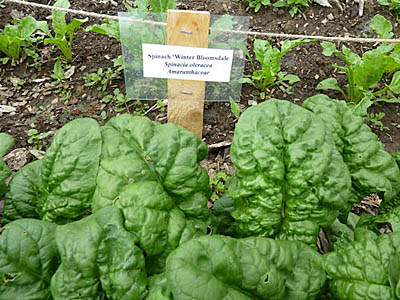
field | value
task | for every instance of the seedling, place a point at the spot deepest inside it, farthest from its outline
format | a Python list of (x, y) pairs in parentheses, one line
[(36, 138), (235, 108), (64, 33), (101, 78)]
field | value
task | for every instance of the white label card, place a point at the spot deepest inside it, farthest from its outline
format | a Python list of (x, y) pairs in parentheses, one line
[(187, 63)]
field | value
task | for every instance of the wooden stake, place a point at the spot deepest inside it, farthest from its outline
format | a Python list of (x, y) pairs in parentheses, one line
[(186, 97)]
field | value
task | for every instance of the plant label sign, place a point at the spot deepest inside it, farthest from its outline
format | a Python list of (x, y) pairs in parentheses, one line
[(187, 63)]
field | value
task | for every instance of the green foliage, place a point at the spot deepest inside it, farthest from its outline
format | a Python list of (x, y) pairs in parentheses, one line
[(102, 78), (64, 33), (292, 4), (64, 180), (28, 259), (372, 169), (287, 166), (217, 184), (298, 170), (6, 141), (393, 5), (245, 269), (109, 28), (17, 37), (366, 268), (154, 6), (365, 73), (235, 109), (269, 58), (35, 138), (104, 258)]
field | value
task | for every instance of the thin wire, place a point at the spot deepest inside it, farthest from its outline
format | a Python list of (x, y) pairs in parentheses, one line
[(266, 34)]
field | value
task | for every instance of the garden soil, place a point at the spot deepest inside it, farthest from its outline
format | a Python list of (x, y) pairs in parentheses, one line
[(28, 88)]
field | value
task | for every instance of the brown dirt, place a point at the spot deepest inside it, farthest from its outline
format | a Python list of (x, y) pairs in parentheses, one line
[(38, 106)]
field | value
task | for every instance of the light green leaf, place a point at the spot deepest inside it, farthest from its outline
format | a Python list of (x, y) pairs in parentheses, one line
[(394, 85), (59, 23), (329, 84), (381, 26), (109, 28), (328, 48), (235, 108)]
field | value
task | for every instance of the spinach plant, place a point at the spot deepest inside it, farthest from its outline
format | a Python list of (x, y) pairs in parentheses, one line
[(64, 33), (17, 37), (269, 58)]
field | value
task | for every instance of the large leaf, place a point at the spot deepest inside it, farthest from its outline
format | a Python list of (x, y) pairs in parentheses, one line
[(65, 179), (361, 271), (152, 172), (26, 188), (6, 141), (372, 169), (99, 258), (290, 178), (158, 288), (28, 259), (220, 267)]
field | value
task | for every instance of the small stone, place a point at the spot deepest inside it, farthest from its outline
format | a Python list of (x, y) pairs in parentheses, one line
[(330, 17), (316, 77)]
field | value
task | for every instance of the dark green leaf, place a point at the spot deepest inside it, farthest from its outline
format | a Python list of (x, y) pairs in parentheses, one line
[(28, 259)]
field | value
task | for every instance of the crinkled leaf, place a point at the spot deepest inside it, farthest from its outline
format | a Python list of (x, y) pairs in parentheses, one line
[(63, 183), (392, 216), (361, 271), (372, 169), (98, 258), (394, 275), (28, 259), (152, 172), (26, 188), (6, 141), (339, 235), (381, 26), (158, 288), (220, 267), (290, 178), (69, 169)]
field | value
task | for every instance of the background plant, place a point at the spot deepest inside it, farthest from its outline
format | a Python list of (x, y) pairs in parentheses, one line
[(293, 5), (270, 73), (64, 33), (17, 37)]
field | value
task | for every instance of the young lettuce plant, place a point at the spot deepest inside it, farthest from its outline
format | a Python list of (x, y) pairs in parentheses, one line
[(64, 33), (269, 58), (17, 37)]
